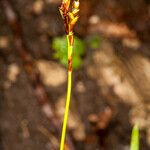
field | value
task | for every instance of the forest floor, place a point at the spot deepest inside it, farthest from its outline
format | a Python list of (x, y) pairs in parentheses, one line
[(110, 91)]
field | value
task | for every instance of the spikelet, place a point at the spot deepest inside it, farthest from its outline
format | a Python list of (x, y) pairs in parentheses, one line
[(70, 17), (76, 4)]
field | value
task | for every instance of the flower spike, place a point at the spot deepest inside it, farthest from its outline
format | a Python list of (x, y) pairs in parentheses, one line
[(70, 17), (76, 4), (67, 3)]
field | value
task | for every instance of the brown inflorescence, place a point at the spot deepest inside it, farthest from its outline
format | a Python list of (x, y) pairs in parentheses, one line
[(70, 17)]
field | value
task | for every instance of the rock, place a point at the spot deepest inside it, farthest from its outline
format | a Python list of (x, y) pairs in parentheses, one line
[(51, 73), (12, 73), (38, 6), (74, 122), (80, 87), (4, 42)]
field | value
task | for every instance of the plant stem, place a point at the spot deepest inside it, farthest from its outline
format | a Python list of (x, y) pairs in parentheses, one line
[(68, 98), (135, 138)]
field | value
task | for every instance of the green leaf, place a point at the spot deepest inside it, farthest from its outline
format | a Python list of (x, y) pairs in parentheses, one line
[(79, 46), (135, 138), (94, 41), (64, 60), (59, 44), (76, 62)]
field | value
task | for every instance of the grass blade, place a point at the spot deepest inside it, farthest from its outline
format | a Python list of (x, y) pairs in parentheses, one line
[(135, 138)]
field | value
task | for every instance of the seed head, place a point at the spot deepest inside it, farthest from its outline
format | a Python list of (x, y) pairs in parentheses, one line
[(76, 4), (70, 17), (67, 3)]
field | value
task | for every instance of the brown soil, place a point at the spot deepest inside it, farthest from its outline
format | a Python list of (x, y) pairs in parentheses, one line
[(100, 117)]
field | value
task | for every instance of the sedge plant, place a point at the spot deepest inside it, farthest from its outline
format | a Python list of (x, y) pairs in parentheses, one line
[(70, 17)]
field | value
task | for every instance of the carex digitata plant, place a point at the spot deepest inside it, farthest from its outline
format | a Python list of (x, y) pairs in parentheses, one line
[(70, 17)]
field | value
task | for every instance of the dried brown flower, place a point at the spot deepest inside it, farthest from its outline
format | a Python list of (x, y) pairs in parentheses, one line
[(70, 16)]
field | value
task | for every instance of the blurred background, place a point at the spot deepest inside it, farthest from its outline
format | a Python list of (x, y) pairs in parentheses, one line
[(111, 78)]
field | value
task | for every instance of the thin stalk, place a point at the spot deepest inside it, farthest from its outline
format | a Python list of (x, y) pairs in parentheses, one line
[(70, 17), (68, 98), (135, 138)]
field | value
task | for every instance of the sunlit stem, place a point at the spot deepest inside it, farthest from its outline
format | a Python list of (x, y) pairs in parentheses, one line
[(68, 98), (135, 138)]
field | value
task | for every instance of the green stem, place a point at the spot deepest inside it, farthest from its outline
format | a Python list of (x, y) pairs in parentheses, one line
[(135, 138), (68, 98)]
